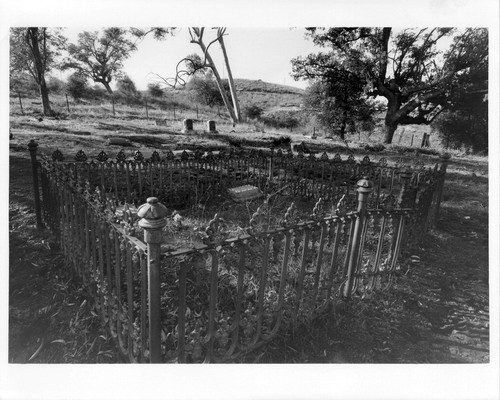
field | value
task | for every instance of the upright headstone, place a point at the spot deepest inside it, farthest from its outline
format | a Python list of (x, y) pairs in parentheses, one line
[(187, 125), (211, 126)]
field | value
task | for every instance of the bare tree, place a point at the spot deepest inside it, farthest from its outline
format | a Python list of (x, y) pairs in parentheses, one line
[(190, 65), (232, 86)]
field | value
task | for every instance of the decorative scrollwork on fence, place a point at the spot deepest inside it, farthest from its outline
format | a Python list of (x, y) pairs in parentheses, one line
[(318, 210), (170, 155), (138, 156), (259, 221), (291, 216), (388, 203), (102, 156), (121, 157), (155, 157), (57, 155), (216, 231), (341, 207), (81, 156)]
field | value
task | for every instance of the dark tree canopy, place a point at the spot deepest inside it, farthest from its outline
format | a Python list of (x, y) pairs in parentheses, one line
[(407, 67), (100, 55), (338, 101)]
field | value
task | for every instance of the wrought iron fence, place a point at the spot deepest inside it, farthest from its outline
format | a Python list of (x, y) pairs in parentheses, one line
[(229, 293)]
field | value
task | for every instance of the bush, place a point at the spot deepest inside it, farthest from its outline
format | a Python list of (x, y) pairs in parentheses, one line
[(77, 86), (460, 129), (155, 90), (206, 91), (55, 85), (126, 86), (23, 83), (252, 111), (281, 119)]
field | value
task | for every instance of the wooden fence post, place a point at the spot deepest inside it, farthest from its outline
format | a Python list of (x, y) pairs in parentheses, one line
[(67, 104), (147, 114), (20, 102), (153, 219), (32, 146), (113, 103), (445, 159), (365, 187)]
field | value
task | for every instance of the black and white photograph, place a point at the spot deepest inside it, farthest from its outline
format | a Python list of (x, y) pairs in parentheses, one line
[(242, 206)]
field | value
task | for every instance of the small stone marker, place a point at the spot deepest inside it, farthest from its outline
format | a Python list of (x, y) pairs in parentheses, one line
[(244, 193), (187, 125), (211, 127)]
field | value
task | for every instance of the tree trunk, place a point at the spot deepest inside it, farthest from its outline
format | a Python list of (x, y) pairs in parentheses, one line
[(343, 126), (108, 88), (391, 117), (39, 73), (389, 132), (218, 80), (44, 93), (232, 86)]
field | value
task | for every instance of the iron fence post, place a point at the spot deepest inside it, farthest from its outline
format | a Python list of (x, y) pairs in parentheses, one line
[(153, 219), (32, 146), (407, 196), (365, 187), (445, 159)]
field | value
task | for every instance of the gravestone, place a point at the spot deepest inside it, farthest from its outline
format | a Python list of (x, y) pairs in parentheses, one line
[(244, 193), (187, 125), (211, 127)]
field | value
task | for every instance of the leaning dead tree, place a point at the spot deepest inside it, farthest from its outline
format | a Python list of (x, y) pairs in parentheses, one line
[(232, 86), (181, 75)]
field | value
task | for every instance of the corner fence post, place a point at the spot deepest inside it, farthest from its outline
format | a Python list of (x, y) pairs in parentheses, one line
[(32, 146), (407, 196), (365, 187), (445, 159), (153, 219)]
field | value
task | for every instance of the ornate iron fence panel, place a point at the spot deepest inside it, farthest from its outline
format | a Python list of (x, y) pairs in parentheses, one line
[(223, 297)]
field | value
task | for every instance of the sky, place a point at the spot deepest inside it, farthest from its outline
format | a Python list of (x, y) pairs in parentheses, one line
[(254, 53)]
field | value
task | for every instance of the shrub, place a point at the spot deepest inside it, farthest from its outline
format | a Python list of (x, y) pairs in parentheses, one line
[(206, 91), (155, 90), (458, 129), (77, 86), (55, 85), (22, 82), (281, 119), (252, 111), (126, 86)]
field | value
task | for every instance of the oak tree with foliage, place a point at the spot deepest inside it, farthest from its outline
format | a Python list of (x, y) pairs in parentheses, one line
[(408, 67), (338, 102), (100, 55), (35, 50)]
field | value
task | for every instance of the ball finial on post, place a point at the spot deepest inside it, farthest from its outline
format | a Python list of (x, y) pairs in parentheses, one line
[(152, 218)]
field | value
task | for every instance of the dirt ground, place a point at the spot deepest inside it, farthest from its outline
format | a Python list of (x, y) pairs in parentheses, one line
[(438, 312)]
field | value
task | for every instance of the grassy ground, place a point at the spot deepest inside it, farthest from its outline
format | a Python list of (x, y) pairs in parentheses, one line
[(436, 313)]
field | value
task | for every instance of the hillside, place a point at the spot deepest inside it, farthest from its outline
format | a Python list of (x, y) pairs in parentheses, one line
[(269, 96)]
